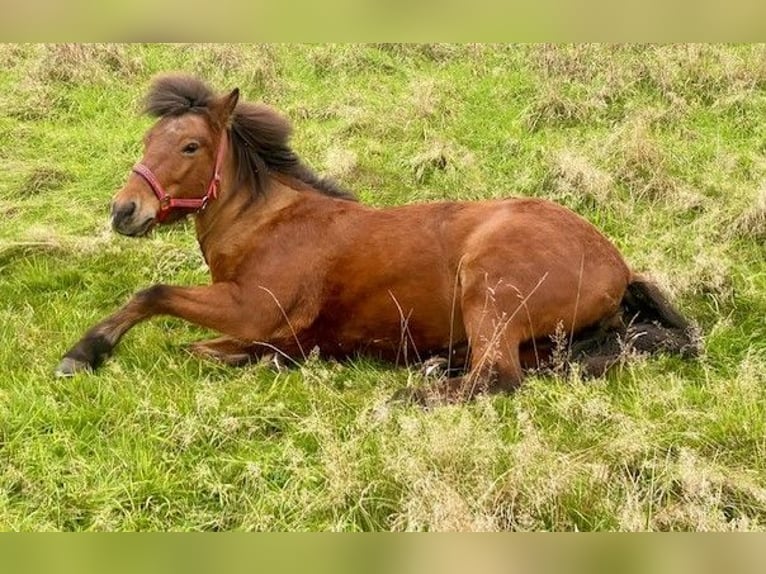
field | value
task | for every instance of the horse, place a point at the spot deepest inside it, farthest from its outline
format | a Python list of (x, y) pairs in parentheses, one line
[(297, 263)]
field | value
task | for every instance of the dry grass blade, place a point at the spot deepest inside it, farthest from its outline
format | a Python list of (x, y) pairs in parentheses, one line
[(572, 176), (752, 222)]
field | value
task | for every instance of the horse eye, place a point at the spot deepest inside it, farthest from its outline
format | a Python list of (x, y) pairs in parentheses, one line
[(190, 148)]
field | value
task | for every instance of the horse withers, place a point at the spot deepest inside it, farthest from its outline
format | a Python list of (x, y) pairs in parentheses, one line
[(297, 263)]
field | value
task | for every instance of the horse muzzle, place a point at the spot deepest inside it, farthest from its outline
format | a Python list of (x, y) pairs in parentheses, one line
[(128, 220)]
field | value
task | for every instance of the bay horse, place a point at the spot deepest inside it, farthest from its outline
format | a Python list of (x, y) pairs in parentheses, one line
[(297, 263)]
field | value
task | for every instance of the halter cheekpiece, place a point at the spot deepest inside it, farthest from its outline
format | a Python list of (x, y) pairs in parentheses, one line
[(192, 205)]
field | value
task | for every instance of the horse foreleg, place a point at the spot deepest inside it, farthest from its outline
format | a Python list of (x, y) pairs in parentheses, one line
[(213, 306), (237, 353), (226, 350)]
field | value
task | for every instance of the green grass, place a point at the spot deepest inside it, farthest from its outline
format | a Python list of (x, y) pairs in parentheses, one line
[(662, 147)]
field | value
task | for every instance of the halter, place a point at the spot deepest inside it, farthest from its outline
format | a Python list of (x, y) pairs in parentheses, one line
[(195, 204)]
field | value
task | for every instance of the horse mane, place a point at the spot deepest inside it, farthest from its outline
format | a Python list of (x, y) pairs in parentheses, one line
[(260, 135)]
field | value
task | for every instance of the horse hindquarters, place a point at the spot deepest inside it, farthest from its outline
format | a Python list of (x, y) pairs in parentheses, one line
[(529, 270)]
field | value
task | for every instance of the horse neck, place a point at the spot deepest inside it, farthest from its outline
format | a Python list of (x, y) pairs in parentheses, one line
[(229, 222)]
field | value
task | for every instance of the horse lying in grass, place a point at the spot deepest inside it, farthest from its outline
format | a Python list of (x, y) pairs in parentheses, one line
[(297, 263)]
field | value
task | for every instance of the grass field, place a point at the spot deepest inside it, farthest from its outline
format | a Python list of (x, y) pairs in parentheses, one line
[(662, 147)]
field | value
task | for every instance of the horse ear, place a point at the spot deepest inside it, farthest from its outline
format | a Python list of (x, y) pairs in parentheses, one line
[(226, 105)]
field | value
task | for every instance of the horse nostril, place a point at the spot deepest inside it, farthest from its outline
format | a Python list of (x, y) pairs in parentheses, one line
[(124, 210), (122, 213)]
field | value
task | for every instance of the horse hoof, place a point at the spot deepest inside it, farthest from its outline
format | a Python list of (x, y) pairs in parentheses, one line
[(69, 367), (435, 368)]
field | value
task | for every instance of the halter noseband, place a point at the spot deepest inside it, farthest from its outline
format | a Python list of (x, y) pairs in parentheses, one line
[(195, 204)]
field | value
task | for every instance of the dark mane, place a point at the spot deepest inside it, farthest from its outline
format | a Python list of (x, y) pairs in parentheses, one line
[(261, 138), (175, 94), (260, 135)]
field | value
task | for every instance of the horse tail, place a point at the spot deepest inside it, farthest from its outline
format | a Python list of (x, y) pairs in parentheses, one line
[(654, 324)]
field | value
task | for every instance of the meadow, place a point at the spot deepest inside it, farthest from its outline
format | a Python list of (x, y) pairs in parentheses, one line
[(661, 147)]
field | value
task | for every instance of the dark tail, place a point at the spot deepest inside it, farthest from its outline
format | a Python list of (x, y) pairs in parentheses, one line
[(649, 324), (654, 325)]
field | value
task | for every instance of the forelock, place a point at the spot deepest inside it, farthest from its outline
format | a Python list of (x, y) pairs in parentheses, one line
[(177, 94)]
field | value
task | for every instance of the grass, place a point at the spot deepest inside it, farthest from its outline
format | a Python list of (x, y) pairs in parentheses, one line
[(662, 147)]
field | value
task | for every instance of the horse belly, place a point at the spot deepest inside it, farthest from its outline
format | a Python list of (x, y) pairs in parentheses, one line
[(401, 320)]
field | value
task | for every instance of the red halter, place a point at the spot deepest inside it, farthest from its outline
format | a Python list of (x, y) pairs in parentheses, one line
[(167, 203)]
